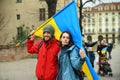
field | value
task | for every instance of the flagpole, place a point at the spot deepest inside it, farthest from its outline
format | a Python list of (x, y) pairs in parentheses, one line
[(18, 44)]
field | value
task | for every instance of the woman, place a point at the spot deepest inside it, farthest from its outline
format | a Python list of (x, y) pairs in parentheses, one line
[(70, 58), (90, 52)]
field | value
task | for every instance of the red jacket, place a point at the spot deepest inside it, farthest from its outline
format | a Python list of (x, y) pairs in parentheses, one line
[(47, 64)]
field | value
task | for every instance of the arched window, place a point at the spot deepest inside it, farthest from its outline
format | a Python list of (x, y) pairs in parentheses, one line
[(119, 7), (113, 7)]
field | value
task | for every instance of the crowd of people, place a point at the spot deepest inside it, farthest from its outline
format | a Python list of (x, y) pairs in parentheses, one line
[(103, 50), (59, 60)]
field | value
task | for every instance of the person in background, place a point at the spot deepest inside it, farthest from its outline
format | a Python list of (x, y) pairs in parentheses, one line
[(70, 58), (110, 47), (102, 54), (91, 56), (47, 50), (90, 52)]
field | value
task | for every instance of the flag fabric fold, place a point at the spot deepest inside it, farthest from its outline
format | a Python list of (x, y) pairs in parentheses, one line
[(67, 20)]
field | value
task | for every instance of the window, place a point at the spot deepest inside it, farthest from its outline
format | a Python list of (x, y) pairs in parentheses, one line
[(92, 30), (106, 13), (113, 7), (100, 8), (88, 24), (42, 14), (85, 25), (106, 29), (106, 20), (88, 20), (107, 38), (113, 30), (113, 38), (106, 8), (93, 24), (119, 30), (19, 33), (84, 30), (113, 19), (119, 7), (100, 30), (88, 15), (19, 1), (93, 20), (113, 13), (89, 30), (84, 20), (100, 22), (18, 16)]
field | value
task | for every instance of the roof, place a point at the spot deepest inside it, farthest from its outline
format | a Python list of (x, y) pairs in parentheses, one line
[(105, 7)]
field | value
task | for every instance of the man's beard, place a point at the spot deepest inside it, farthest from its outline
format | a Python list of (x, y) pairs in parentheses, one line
[(48, 39)]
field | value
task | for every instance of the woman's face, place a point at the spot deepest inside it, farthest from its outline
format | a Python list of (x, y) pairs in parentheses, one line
[(65, 39)]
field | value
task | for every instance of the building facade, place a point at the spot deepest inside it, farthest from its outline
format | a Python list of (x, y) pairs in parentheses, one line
[(102, 20), (26, 13)]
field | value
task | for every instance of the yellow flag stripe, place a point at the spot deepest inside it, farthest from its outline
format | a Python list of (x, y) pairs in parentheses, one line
[(87, 71)]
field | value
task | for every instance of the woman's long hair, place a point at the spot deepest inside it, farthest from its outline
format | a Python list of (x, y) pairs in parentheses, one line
[(70, 42)]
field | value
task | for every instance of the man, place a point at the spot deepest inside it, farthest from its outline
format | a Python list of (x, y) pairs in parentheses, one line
[(47, 50), (110, 47)]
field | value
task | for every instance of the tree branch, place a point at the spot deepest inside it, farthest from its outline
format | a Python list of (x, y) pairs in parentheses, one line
[(87, 2)]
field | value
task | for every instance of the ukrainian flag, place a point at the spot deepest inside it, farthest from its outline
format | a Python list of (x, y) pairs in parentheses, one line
[(67, 20), (104, 50)]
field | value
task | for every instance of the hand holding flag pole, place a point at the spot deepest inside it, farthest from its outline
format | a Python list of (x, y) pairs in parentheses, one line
[(39, 28), (32, 33)]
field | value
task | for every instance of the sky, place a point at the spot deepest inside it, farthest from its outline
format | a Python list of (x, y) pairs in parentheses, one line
[(99, 2)]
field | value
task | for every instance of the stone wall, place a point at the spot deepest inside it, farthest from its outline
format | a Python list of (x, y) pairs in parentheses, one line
[(12, 53)]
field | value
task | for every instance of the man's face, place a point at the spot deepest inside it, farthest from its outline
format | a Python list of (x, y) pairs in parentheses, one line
[(46, 36)]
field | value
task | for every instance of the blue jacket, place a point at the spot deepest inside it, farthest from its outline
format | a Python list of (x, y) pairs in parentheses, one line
[(69, 58)]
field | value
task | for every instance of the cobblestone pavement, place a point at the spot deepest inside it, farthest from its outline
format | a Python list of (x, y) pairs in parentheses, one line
[(25, 69)]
